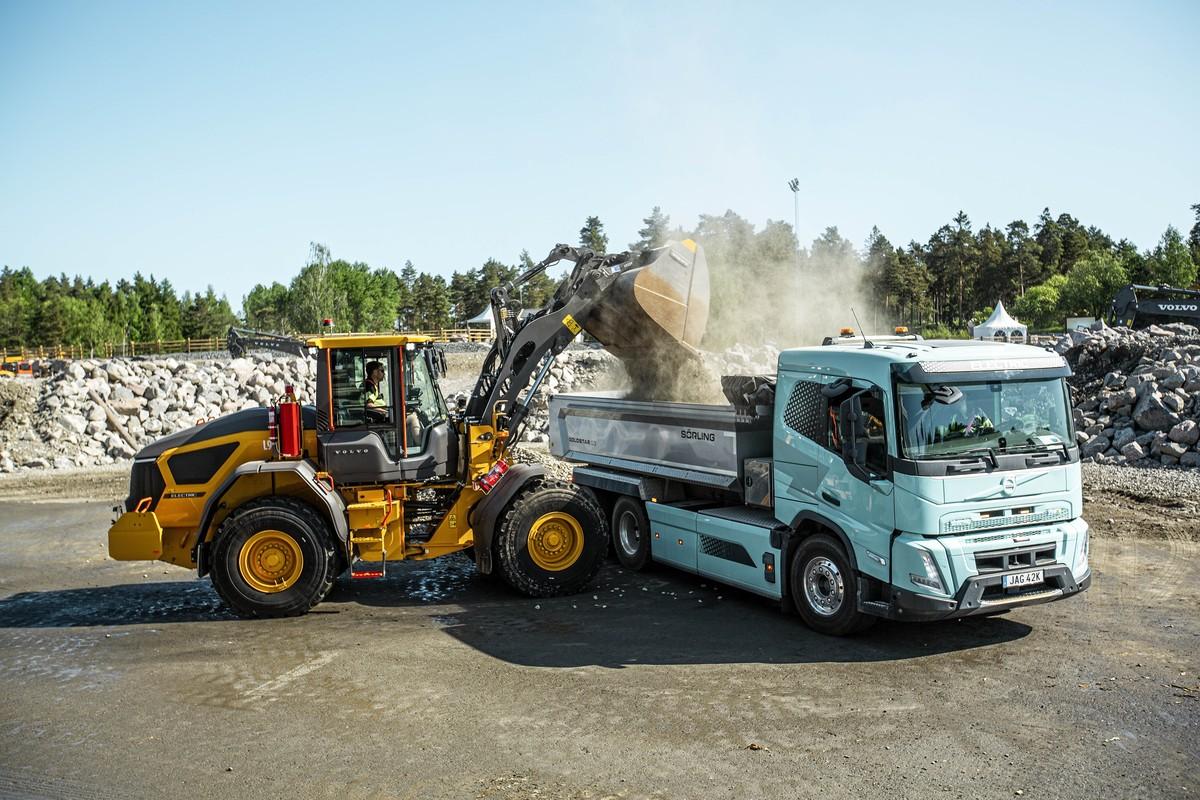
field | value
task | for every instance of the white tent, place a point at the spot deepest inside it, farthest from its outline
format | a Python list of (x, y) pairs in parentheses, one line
[(484, 318), (1000, 327)]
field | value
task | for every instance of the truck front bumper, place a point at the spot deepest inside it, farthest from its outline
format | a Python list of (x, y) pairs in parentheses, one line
[(980, 595)]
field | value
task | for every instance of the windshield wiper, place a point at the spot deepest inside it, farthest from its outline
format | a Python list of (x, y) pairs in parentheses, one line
[(984, 452)]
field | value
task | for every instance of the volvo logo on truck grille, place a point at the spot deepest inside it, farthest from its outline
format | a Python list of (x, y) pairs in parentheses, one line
[(704, 436), (350, 451)]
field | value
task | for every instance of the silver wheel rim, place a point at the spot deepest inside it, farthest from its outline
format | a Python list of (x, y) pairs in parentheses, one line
[(823, 586), (629, 535)]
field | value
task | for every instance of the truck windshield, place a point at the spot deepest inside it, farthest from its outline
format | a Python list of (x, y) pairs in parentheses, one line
[(1000, 416)]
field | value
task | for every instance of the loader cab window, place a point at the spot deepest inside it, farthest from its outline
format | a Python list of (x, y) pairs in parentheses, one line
[(363, 384), (423, 403)]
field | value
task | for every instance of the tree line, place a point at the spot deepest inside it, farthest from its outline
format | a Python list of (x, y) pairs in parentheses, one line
[(764, 285)]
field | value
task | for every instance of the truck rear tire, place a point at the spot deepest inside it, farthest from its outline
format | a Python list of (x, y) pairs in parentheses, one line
[(631, 533), (824, 588), (273, 557), (551, 540)]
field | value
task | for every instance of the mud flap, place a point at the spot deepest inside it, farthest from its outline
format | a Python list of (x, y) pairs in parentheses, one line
[(135, 536)]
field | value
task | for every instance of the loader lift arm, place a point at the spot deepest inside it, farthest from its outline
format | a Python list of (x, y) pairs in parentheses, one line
[(242, 340), (528, 344), (636, 304)]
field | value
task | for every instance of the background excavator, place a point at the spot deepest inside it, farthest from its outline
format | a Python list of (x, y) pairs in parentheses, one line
[(275, 502)]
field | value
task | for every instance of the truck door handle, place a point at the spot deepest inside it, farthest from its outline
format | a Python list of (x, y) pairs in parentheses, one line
[(828, 498)]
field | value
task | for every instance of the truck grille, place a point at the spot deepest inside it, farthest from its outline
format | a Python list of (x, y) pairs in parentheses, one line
[(1004, 518), (1004, 560)]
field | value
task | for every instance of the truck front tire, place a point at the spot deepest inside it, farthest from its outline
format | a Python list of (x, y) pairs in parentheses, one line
[(551, 540), (273, 557), (631, 533), (824, 587)]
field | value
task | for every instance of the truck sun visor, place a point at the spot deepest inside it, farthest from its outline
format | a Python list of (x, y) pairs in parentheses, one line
[(1048, 366)]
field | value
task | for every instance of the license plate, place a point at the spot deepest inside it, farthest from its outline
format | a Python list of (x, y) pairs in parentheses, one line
[(1024, 578)]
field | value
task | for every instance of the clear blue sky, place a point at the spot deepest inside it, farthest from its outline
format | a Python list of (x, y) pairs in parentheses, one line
[(211, 142)]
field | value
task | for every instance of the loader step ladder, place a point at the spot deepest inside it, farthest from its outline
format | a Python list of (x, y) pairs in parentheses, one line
[(368, 525)]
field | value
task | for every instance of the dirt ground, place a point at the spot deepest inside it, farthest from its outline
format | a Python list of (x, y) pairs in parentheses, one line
[(127, 680)]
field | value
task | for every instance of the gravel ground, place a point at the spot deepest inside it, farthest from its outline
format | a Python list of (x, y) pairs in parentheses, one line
[(1173, 485), (128, 680)]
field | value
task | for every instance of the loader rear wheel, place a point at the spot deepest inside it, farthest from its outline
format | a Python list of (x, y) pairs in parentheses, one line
[(631, 533), (551, 540), (273, 557)]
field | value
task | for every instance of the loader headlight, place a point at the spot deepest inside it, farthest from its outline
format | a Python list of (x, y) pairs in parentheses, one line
[(932, 579)]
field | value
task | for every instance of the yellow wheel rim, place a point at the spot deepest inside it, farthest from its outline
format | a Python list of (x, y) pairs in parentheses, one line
[(555, 541), (270, 561)]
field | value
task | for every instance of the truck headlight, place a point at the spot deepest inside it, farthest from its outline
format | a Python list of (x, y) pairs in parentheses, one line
[(932, 579)]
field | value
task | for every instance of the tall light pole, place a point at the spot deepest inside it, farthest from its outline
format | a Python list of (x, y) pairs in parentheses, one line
[(794, 185)]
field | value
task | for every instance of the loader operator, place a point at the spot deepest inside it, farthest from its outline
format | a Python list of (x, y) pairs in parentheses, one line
[(373, 400)]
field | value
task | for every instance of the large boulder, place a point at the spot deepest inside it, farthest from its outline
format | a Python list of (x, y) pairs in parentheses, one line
[(1186, 433), (1152, 414)]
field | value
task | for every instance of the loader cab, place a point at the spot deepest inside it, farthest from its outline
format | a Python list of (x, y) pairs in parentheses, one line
[(380, 413)]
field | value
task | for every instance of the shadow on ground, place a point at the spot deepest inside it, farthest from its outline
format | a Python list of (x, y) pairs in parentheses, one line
[(626, 619)]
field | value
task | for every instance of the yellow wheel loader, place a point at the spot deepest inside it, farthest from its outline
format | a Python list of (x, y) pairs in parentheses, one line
[(275, 502)]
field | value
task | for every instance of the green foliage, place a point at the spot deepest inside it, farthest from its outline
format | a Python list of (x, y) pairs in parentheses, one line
[(1039, 308), (944, 332), (592, 235), (206, 315), (1194, 236), (1171, 262), (763, 287), (265, 308), (655, 232), (1091, 284)]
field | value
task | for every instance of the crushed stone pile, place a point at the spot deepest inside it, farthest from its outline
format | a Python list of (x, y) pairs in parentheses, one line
[(1137, 394), (94, 412)]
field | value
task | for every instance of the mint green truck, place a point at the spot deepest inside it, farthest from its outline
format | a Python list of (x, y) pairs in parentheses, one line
[(901, 479)]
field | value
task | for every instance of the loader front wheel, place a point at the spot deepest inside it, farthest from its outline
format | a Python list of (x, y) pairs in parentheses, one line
[(273, 557), (552, 539)]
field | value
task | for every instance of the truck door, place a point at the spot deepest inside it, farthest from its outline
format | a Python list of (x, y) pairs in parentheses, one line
[(811, 475), (861, 487)]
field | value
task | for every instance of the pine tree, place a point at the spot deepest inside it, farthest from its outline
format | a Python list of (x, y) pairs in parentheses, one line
[(654, 234), (592, 236), (1194, 236)]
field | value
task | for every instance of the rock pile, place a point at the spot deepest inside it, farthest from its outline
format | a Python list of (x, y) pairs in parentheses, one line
[(96, 412), (1138, 394), (578, 369)]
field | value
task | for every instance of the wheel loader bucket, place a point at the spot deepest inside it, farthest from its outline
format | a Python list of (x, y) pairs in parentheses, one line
[(656, 308)]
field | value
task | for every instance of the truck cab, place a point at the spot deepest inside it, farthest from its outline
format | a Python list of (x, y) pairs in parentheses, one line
[(948, 471)]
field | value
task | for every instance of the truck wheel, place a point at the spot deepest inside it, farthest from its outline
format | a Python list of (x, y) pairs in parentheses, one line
[(824, 587), (631, 533), (273, 557), (552, 539)]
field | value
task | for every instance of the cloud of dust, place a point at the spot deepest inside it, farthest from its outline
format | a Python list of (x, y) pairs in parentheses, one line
[(765, 297)]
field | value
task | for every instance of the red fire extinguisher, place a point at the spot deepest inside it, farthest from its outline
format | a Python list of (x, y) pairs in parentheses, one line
[(291, 425)]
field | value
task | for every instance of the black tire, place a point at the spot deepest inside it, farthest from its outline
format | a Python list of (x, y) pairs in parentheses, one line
[(829, 604), (570, 541), (284, 527), (631, 533)]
